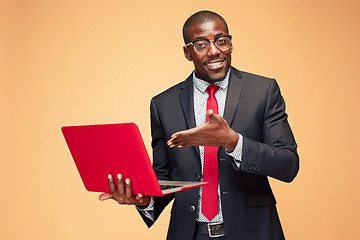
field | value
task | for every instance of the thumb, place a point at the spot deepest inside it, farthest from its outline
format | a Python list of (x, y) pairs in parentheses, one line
[(213, 117), (105, 196), (209, 113)]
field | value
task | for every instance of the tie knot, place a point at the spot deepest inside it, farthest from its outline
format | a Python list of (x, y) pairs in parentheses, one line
[(212, 89)]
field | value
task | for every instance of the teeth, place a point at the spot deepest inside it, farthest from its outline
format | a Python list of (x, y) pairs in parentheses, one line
[(214, 64)]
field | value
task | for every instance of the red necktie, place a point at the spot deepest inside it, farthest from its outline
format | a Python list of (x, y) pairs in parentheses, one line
[(209, 204)]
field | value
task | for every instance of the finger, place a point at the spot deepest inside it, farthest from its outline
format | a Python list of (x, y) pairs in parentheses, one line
[(209, 113), (176, 143), (143, 200), (174, 135), (128, 188), (140, 198), (181, 143), (111, 184), (184, 139), (120, 184), (105, 196), (179, 136), (175, 138), (213, 117), (173, 142), (170, 143)]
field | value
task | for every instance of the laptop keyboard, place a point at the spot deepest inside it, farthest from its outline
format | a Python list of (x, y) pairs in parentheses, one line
[(165, 187)]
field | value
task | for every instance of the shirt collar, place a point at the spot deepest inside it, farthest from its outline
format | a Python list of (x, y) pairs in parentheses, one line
[(201, 85)]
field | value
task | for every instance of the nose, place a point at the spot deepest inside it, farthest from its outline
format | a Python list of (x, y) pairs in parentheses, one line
[(213, 50)]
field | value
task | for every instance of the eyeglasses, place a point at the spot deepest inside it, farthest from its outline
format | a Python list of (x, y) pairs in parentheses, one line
[(202, 46)]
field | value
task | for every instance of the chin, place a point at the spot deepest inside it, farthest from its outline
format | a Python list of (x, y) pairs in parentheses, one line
[(217, 77)]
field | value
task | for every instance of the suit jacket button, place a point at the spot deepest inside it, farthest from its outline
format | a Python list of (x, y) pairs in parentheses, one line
[(192, 208), (197, 176)]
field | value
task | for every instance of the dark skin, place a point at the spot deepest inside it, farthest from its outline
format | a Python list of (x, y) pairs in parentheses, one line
[(215, 132), (211, 67), (123, 194)]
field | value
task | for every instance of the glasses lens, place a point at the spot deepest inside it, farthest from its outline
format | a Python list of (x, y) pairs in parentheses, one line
[(201, 46), (223, 43)]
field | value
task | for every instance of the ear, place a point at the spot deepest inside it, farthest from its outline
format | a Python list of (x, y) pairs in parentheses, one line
[(187, 53), (231, 48)]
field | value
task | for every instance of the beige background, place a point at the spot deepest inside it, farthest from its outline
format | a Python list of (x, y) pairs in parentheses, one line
[(84, 62)]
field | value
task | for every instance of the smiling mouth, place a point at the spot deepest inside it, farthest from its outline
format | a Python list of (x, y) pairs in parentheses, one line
[(215, 64)]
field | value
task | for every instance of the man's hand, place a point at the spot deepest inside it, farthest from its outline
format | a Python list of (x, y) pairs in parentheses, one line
[(124, 194), (215, 132)]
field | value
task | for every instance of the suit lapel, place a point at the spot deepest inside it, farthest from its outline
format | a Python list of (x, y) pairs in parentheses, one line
[(187, 104), (233, 95)]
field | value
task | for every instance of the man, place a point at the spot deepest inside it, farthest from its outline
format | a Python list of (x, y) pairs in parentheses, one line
[(246, 137)]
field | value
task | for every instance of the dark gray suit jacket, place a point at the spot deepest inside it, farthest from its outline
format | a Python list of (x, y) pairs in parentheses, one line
[(254, 108)]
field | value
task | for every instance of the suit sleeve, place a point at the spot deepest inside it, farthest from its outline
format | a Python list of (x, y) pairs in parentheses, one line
[(160, 163), (276, 155)]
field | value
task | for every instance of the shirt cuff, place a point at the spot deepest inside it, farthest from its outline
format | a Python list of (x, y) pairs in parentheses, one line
[(237, 153), (149, 210)]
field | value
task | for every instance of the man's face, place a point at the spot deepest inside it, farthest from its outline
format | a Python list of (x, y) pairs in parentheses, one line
[(213, 65)]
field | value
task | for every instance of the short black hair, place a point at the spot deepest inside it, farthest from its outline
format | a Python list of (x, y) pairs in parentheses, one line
[(199, 18)]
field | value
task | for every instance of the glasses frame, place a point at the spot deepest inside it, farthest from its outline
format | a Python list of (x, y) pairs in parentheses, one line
[(202, 39)]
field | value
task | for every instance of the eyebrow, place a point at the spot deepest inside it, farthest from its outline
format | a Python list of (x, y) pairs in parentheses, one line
[(204, 38), (200, 38), (220, 34)]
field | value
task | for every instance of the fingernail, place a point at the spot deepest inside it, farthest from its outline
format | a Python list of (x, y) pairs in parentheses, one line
[(119, 176), (140, 195), (127, 181), (109, 176)]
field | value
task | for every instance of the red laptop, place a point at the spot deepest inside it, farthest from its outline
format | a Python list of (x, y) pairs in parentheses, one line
[(99, 150)]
